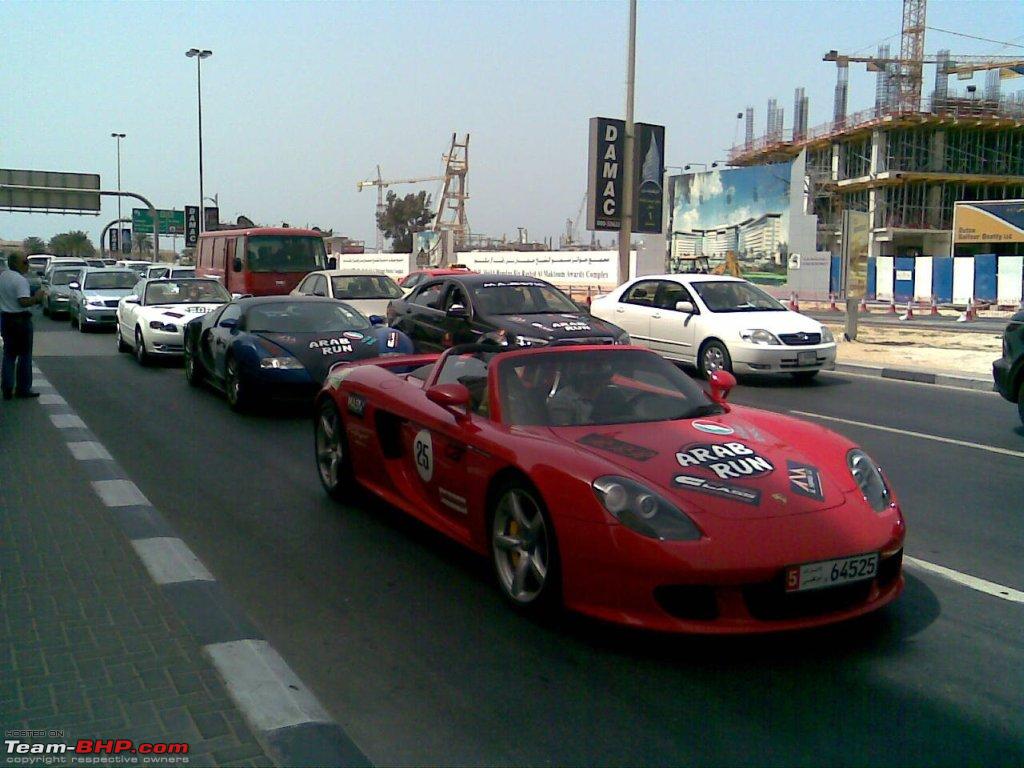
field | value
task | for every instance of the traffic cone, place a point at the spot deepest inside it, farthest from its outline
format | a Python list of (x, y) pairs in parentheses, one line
[(794, 302), (969, 314), (892, 304), (909, 314), (832, 303), (863, 309), (935, 307)]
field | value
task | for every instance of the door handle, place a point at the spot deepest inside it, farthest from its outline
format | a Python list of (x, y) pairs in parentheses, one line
[(656, 315), (620, 310)]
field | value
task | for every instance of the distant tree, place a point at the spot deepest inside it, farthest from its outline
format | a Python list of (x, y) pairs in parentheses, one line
[(402, 216), (141, 244), (32, 245), (75, 243)]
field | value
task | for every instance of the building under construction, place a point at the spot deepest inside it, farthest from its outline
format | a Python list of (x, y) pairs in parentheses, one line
[(908, 158)]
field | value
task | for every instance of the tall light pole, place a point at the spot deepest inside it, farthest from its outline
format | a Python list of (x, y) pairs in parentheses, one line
[(118, 136), (198, 55), (626, 220)]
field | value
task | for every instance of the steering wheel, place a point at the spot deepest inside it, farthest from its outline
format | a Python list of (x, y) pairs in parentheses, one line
[(648, 406)]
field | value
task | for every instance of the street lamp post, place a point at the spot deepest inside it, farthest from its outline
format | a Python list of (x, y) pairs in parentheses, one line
[(199, 55), (626, 218), (118, 136)]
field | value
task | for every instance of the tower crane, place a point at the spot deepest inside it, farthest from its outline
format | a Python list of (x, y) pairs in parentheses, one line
[(381, 183)]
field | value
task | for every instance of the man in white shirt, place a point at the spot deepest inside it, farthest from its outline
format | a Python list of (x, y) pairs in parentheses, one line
[(16, 300)]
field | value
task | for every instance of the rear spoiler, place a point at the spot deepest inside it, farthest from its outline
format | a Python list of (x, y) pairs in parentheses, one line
[(389, 362)]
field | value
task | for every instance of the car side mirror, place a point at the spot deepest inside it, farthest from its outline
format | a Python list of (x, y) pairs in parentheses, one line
[(236, 265), (235, 296), (332, 262), (131, 299), (229, 322), (453, 397), (687, 307), (74, 286), (319, 292), (458, 311), (376, 320), (721, 383)]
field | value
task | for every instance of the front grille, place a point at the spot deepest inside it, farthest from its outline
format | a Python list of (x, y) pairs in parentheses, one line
[(110, 302), (770, 602), (800, 339), (685, 601)]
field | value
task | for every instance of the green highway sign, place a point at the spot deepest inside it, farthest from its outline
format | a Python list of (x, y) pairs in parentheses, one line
[(171, 222)]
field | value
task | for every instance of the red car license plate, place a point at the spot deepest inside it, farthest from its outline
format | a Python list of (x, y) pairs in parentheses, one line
[(831, 573)]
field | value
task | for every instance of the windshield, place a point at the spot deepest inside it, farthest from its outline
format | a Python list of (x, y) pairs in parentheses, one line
[(285, 254), (186, 292), (520, 297), (305, 317), (184, 272), (95, 281), (735, 296), (63, 276), (609, 386), (38, 262), (365, 287)]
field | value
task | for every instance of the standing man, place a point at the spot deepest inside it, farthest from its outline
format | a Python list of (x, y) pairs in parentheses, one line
[(16, 299)]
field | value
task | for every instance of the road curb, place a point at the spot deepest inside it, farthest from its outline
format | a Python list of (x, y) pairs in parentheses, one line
[(305, 735), (920, 377)]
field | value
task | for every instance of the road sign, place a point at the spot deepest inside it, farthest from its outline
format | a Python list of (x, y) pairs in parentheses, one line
[(171, 222), (211, 218), (51, 191), (115, 240), (605, 174), (126, 240), (191, 226)]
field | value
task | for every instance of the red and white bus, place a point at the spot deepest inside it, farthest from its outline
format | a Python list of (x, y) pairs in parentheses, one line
[(262, 261)]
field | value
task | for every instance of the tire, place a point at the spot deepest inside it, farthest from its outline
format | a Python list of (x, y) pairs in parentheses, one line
[(121, 345), (713, 356), (804, 377), (46, 308), (82, 327), (524, 552), (140, 348), (193, 372), (234, 387), (330, 445), (1020, 402)]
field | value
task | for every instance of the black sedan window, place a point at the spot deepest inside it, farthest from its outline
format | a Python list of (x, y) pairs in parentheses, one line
[(365, 287), (305, 317), (521, 298)]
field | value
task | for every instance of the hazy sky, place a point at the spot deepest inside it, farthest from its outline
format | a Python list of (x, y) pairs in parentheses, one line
[(302, 99)]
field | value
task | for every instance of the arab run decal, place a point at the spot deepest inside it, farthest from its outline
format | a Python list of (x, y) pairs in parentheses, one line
[(712, 428), (805, 480), (338, 346), (619, 447), (727, 460), (722, 490)]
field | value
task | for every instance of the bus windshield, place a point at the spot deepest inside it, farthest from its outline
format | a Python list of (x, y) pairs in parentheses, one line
[(280, 253)]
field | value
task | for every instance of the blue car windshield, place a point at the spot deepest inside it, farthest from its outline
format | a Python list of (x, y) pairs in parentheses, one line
[(305, 317)]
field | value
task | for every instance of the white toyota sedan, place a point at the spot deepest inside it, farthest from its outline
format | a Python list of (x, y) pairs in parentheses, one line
[(370, 293), (718, 323)]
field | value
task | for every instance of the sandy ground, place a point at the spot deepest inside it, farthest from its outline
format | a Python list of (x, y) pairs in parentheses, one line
[(964, 354)]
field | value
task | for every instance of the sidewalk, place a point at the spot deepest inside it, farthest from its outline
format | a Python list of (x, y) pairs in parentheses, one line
[(90, 647)]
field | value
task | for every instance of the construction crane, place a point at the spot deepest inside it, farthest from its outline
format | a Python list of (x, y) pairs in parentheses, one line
[(381, 183), (908, 66), (572, 226)]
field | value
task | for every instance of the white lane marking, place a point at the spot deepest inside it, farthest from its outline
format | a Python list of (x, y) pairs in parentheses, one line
[(87, 451), (47, 399), (66, 421), (170, 561), (988, 587), (922, 435), (118, 493), (263, 685)]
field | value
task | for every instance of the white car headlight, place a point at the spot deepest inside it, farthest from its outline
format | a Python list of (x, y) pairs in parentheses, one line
[(287, 362), (95, 304), (759, 336), (826, 335), (530, 341), (156, 325)]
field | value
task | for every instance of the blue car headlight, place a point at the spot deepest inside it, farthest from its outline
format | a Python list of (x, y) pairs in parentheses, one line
[(287, 362), (644, 511), (869, 479)]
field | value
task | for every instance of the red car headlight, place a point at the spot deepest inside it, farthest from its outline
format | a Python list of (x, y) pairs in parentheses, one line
[(869, 479), (644, 511)]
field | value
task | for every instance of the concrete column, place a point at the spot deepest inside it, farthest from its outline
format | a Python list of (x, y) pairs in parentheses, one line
[(937, 159), (878, 150)]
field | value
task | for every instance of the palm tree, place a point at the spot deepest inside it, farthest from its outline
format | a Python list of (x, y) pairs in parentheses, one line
[(141, 244), (32, 245), (75, 243)]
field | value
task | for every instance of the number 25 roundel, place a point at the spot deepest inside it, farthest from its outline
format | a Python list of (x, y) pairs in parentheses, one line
[(423, 454)]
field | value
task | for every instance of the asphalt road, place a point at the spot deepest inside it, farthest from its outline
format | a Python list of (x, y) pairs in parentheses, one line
[(403, 638)]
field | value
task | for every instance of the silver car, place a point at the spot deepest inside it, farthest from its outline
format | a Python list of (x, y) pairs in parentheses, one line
[(94, 296), (57, 290)]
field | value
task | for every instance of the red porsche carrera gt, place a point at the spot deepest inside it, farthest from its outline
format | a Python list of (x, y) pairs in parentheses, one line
[(605, 479)]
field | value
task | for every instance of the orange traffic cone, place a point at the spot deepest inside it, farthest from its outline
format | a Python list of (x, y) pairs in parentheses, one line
[(892, 304), (832, 303), (794, 302), (864, 305), (909, 314), (935, 307)]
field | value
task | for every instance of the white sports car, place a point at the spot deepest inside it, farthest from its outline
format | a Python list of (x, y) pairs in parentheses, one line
[(151, 321)]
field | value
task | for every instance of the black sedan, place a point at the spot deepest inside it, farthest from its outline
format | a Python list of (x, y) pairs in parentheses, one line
[(1008, 371), (280, 347), (517, 311)]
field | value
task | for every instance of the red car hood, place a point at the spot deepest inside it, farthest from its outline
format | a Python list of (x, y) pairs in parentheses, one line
[(726, 465)]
